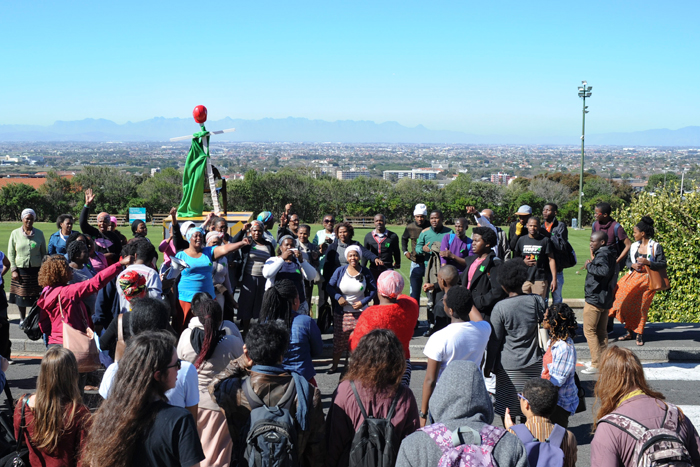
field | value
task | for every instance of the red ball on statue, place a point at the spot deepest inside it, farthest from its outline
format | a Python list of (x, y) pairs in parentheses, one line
[(200, 114)]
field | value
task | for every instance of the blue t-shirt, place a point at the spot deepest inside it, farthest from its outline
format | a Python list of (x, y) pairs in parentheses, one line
[(198, 277)]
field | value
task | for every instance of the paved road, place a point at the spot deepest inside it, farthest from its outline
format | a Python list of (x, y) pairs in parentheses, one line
[(677, 381)]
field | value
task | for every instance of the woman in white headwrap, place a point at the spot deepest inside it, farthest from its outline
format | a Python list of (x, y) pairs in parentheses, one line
[(352, 287), (25, 251)]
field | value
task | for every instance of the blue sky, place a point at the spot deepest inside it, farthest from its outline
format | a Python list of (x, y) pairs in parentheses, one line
[(478, 67)]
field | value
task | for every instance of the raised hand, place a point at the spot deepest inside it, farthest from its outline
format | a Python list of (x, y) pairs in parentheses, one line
[(89, 196)]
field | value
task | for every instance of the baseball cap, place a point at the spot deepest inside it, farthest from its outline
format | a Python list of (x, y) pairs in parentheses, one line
[(524, 210)]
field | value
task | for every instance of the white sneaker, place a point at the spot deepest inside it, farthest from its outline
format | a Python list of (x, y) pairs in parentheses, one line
[(591, 370)]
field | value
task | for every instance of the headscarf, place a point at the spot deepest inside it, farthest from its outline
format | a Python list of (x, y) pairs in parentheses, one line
[(285, 237), (214, 234), (390, 284), (257, 222), (265, 217), (113, 220), (102, 214), (353, 248), (28, 212), (135, 225), (192, 231), (185, 227), (132, 284)]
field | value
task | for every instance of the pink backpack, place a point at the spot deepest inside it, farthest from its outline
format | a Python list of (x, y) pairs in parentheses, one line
[(455, 453)]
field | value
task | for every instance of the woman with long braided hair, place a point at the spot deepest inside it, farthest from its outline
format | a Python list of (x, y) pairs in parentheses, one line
[(210, 344), (559, 361), (281, 302)]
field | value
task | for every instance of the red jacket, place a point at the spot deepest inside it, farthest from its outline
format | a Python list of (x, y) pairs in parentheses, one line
[(400, 317), (74, 309)]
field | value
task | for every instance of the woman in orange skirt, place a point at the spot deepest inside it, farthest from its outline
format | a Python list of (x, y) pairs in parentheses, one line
[(633, 297)]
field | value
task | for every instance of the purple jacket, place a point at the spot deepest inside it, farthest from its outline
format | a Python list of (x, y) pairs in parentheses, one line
[(461, 248), (612, 447)]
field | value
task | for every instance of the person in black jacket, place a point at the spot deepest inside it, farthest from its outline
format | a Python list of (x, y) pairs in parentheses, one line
[(481, 273), (385, 245), (335, 254), (558, 235), (599, 293), (106, 241)]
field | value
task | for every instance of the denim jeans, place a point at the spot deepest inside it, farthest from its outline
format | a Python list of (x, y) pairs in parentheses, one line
[(556, 295), (416, 278)]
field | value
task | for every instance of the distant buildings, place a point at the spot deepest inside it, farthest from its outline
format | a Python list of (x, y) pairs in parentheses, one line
[(155, 170), (352, 174), (500, 178), (415, 174)]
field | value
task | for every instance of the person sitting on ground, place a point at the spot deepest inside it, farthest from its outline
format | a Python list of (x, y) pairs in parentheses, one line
[(148, 315), (396, 312), (55, 418), (281, 302), (57, 241), (206, 344), (136, 425), (460, 400), (538, 401), (538, 253), (373, 377), (261, 368), (624, 399), (464, 339), (447, 277), (559, 360)]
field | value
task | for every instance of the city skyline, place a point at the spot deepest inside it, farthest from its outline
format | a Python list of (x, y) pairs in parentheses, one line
[(505, 69)]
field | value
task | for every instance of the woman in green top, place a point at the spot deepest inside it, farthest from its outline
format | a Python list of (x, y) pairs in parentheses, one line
[(25, 251)]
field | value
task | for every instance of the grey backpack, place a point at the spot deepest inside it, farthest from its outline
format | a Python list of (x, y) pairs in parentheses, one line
[(272, 435), (656, 447)]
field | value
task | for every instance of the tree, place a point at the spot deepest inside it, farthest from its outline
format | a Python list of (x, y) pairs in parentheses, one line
[(160, 192), (553, 192), (113, 188), (59, 196), (17, 197), (657, 181)]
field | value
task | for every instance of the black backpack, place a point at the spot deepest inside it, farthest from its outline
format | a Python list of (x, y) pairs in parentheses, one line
[(30, 326), (271, 433), (375, 444)]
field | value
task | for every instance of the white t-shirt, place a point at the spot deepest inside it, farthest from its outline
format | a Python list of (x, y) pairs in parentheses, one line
[(458, 341), (184, 394)]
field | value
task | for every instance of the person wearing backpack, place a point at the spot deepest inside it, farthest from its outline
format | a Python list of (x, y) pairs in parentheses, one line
[(547, 444), (459, 405), (558, 235), (256, 393), (371, 403), (632, 416)]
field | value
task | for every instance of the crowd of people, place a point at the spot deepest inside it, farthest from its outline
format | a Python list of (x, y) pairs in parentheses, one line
[(185, 385)]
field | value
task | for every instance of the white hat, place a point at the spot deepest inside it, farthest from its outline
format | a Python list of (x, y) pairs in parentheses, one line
[(185, 227), (420, 210), (524, 210)]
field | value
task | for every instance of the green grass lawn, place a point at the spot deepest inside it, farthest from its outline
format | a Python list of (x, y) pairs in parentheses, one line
[(573, 283)]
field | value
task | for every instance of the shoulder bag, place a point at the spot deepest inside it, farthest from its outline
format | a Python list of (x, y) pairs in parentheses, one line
[(82, 344), (658, 280)]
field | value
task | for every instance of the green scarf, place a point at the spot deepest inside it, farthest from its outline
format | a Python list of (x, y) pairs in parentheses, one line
[(192, 203)]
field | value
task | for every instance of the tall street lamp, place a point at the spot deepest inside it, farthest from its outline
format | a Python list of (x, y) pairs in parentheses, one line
[(583, 92)]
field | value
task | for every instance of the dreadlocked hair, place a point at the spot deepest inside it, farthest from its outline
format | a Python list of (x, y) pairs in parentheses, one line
[(124, 418), (561, 322), (277, 303), (210, 315)]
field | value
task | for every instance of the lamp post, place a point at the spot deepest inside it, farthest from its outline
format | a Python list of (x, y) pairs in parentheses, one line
[(583, 92)]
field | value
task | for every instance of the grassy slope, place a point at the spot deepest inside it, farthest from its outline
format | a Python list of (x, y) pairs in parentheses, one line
[(573, 283)]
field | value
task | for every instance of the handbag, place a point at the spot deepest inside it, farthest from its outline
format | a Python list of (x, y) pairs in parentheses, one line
[(20, 456), (82, 344), (658, 280)]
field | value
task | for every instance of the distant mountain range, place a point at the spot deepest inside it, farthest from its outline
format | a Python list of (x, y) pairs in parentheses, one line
[(305, 130)]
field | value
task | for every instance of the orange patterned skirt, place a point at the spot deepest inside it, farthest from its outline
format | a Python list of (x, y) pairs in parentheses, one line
[(632, 301)]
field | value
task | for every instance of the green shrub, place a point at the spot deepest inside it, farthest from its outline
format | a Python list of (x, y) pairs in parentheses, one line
[(677, 226)]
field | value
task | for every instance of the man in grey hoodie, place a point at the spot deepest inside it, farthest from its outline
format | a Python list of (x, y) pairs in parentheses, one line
[(460, 399)]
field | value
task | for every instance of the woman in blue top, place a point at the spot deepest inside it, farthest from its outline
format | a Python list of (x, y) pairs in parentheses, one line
[(198, 276), (57, 241), (281, 301)]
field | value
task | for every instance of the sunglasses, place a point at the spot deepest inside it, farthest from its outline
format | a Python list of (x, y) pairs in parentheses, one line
[(177, 364), (328, 221)]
